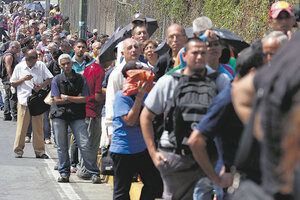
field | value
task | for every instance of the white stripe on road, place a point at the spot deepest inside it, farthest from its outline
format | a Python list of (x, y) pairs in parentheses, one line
[(65, 190)]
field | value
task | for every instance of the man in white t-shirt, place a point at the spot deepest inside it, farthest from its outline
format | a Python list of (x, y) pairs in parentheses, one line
[(27, 76), (131, 52)]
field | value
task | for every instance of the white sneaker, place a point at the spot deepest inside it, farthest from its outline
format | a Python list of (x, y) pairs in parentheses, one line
[(27, 139), (48, 141)]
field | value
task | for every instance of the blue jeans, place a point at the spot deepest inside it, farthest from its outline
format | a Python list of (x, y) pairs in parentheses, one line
[(46, 127), (94, 130), (204, 189), (80, 132), (1, 101)]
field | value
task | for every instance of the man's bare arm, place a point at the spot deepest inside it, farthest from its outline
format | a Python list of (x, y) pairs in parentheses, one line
[(243, 94), (146, 119), (8, 60)]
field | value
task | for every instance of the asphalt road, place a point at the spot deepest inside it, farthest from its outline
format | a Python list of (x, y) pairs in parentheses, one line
[(29, 178)]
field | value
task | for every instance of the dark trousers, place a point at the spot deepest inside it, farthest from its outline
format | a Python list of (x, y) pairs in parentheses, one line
[(3, 33), (126, 166), (10, 104), (46, 125)]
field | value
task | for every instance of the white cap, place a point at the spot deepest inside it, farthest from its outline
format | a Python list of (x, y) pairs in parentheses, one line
[(95, 31)]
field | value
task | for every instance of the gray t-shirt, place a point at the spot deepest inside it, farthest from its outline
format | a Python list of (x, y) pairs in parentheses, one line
[(163, 91)]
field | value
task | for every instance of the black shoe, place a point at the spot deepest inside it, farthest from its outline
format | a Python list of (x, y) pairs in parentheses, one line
[(43, 156), (7, 118), (96, 179), (63, 179)]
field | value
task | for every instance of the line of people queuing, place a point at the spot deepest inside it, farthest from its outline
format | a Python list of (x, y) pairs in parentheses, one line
[(182, 138)]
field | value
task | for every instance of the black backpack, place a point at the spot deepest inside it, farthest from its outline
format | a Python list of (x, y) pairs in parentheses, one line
[(191, 99)]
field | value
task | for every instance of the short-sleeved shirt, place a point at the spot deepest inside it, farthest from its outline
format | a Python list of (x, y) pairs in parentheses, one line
[(222, 69), (94, 75), (222, 121), (56, 93), (39, 72), (163, 91), (125, 139), (17, 22), (80, 67)]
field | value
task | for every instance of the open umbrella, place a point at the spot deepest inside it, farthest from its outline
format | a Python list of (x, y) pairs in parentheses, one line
[(34, 6), (232, 39), (107, 50)]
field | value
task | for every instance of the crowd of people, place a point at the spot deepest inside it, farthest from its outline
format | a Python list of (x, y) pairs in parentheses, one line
[(199, 121)]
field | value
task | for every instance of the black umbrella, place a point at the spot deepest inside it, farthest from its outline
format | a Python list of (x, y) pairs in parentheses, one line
[(162, 48), (107, 50), (34, 6), (232, 39)]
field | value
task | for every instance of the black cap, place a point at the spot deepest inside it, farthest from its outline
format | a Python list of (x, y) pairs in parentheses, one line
[(131, 65), (138, 17)]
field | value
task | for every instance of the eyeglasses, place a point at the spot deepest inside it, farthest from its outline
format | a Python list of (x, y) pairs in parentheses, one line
[(172, 37), (39, 54), (213, 44)]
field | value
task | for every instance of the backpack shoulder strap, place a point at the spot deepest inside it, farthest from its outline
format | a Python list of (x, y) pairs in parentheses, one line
[(176, 75)]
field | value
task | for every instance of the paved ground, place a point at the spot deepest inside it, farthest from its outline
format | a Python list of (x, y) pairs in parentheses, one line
[(34, 179)]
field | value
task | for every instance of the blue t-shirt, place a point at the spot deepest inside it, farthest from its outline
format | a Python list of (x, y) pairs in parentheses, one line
[(125, 139), (222, 121)]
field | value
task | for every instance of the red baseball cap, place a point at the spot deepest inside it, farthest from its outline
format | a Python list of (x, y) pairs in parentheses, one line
[(280, 6)]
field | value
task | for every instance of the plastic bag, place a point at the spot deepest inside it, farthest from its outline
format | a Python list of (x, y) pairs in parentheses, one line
[(130, 85)]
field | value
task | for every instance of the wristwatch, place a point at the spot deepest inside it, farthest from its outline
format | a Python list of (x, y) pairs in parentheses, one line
[(66, 98)]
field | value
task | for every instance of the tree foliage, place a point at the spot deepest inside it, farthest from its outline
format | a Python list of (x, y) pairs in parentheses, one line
[(249, 19)]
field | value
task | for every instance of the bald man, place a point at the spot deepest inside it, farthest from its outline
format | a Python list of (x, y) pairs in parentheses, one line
[(271, 43), (175, 38), (131, 52), (96, 46)]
